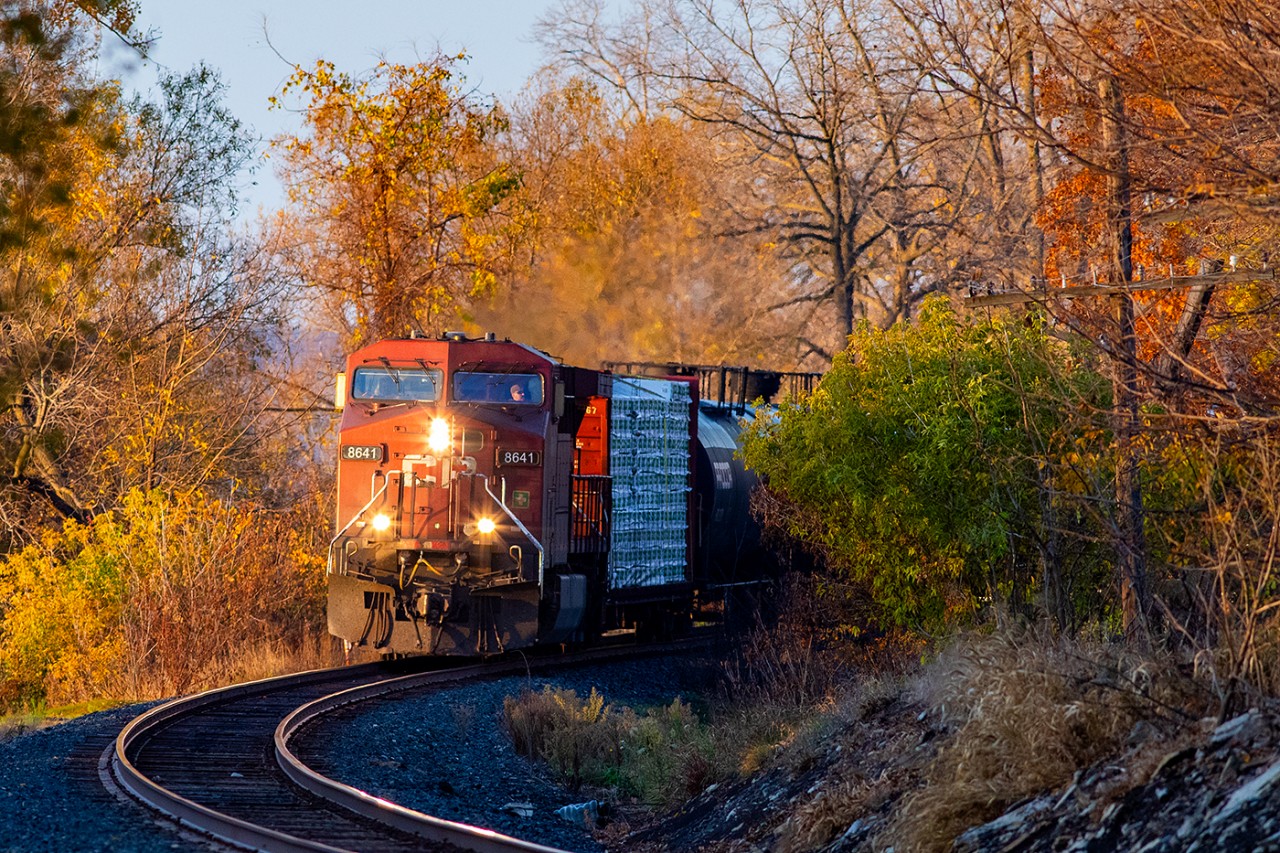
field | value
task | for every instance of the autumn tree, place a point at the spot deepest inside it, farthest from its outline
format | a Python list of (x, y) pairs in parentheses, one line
[(1153, 121), (625, 258), (1199, 115), (851, 180), (132, 316), (397, 216), (61, 132)]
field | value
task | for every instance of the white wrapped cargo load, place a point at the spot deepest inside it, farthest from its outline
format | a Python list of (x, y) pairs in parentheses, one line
[(649, 460)]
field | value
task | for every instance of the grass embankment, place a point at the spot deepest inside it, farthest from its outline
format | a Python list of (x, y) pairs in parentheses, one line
[(12, 725), (779, 689), (1005, 716)]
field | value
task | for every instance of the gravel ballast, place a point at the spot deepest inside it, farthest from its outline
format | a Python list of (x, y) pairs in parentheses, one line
[(445, 753), (53, 799)]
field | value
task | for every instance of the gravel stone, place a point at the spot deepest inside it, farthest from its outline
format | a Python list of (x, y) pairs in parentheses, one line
[(441, 753), (52, 800), (445, 752)]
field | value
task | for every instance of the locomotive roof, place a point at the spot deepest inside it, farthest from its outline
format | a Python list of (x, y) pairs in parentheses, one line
[(415, 347)]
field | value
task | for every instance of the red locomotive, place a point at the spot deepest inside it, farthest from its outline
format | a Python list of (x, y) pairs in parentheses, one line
[(491, 497)]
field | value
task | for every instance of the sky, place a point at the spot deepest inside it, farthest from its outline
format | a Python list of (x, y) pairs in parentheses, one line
[(254, 43)]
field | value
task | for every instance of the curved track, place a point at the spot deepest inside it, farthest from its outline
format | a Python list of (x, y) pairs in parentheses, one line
[(221, 762), (209, 762)]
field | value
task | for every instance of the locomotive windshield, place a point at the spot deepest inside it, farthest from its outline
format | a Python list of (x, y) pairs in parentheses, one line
[(411, 384), (510, 388)]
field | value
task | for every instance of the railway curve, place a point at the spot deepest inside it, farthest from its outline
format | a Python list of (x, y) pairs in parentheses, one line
[(223, 763)]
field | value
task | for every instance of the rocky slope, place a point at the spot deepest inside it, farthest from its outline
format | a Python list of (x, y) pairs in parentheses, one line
[(1205, 787)]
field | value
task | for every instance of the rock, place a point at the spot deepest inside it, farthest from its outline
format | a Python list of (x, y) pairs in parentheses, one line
[(519, 809), (581, 814), (1142, 732), (1018, 823), (1248, 793), (1240, 730)]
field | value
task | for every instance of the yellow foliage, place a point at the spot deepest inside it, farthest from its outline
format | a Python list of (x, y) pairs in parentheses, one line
[(151, 599), (398, 184)]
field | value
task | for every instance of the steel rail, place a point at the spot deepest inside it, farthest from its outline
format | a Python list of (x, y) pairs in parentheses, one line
[(407, 820), (463, 836), (125, 775), (119, 771)]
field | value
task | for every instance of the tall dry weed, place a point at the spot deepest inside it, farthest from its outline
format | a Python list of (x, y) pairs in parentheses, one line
[(789, 679), (579, 738), (796, 659), (662, 756), (1222, 602), (1027, 713)]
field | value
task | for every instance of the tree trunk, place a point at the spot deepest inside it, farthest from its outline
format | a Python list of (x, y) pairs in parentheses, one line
[(1027, 73), (1131, 549)]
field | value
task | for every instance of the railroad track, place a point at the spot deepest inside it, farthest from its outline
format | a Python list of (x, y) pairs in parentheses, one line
[(221, 763)]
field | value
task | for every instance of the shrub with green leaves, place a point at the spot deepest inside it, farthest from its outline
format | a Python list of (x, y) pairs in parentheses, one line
[(661, 757), (917, 468)]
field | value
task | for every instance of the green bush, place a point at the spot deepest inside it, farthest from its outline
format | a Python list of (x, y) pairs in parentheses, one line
[(660, 757), (918, 469)]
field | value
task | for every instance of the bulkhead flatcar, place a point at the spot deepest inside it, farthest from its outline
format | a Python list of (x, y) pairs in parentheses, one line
[(492, 498)]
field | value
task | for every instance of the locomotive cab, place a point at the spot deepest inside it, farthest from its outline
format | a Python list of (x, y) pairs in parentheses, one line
[(453, 518)]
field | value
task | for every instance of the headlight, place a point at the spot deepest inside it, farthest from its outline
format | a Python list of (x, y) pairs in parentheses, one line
[(438, 439), (486, 525), (381, 522)]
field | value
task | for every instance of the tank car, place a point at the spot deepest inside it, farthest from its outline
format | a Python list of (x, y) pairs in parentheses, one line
[(491, 497)]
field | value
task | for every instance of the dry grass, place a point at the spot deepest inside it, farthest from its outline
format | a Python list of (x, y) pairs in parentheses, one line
[(661, 757), (803, 658), (819, 821), (250, 661), (790, 686), (873, 725), (269, 658), (579, 738), (12, 725), (1027, 713)]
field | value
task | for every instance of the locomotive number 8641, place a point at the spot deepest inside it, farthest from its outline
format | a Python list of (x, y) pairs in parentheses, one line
[(491, 497)]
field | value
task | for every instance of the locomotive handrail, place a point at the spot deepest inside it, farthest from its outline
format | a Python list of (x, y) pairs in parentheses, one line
[(385, 483), (520, 524), (588, 494)]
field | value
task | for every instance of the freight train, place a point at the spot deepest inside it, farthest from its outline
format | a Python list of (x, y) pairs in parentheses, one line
[(492, 498)]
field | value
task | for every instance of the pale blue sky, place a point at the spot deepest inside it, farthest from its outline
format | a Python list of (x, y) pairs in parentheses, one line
[(232, 36)]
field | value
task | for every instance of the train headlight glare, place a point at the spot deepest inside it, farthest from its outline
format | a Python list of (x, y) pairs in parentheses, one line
[(486, 526), (381, 522), (438, 438)]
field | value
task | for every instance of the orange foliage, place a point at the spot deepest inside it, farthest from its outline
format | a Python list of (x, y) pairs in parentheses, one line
[(1170, 233), (397, 195)]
